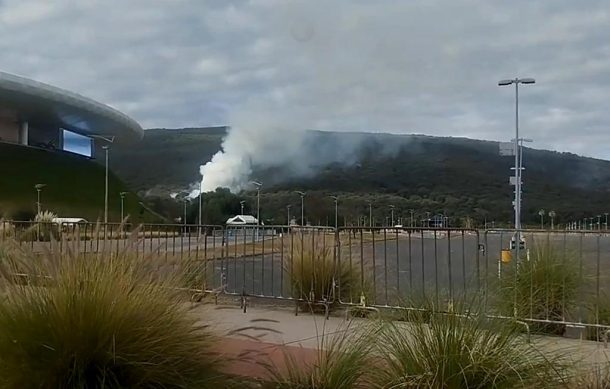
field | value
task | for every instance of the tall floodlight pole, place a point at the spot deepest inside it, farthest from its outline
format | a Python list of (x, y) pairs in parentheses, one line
[(241, 204), (336, 210), (302, 194), (411, 222), (38, 188), (392, 213), (606, 223), (288, 214), (370, 214), (122, 194), (106, 149), (258, 185), (517, 202), (200, 205), (599, 225)]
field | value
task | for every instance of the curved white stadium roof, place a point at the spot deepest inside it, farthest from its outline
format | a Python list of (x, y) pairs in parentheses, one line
[(46, 105)]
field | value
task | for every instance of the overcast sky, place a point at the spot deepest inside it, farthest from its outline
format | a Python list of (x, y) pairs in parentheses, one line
[(413, 66)]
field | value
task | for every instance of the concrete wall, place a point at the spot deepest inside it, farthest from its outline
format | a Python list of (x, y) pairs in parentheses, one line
[(9, 130), (9, 126)]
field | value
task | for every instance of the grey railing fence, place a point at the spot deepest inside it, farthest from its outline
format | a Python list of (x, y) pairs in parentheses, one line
[(560, 277)]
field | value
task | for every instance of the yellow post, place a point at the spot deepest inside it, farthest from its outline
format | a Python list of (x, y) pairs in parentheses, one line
[(507, 256)]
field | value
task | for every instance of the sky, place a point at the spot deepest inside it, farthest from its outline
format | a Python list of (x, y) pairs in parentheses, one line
[(418, 66)]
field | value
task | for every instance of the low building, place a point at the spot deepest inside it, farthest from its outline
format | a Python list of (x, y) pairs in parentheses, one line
[(242, 220)]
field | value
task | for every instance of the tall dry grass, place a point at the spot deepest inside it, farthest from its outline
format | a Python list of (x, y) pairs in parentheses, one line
[(315, 275), (96, 322), (342, 360), (545, 287), (450, 350)]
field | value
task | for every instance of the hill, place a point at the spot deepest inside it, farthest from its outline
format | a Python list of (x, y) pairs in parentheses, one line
[(462, 178), (74, 185)]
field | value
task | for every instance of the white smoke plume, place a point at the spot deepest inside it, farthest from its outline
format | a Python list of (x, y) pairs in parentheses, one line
[(330, 72)]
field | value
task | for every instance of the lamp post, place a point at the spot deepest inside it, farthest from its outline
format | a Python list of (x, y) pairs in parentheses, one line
[(552, 215), (258, 185), (199, 211), (241, 204), (302, 194), (606, 222), (288, 214), (599, 224), (122, 194), (411, 221), (38, 188), (336, 210), (370, 214), (392, 214), (106, 149), (541, 214), (185, 201), (427, 219), (517, 202)]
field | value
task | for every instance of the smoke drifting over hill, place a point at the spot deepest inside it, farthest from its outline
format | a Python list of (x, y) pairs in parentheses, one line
[(339, 77)]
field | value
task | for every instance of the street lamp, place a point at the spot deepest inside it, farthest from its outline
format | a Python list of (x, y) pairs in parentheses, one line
[(106, 149), (38, 188), (370, 214), (552, 215), (392, 213), (122, 194), (288, 214), (336, 210), (241, 203), (517, 202), (258, 185), (541, 213), (411, 222), (606, 223), (599, 224), (185, 200), (302, 194)]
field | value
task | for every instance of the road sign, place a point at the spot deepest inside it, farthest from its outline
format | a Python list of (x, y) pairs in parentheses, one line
[(512, 180), (507, 149)]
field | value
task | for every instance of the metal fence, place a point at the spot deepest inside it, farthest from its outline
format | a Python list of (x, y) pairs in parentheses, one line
[(560, 277)]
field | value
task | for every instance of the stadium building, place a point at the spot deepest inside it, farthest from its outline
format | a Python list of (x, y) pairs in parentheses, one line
[(40, 115)]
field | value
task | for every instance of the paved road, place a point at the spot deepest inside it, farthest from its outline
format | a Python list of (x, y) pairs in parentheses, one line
[(410, 265), (401, 265)]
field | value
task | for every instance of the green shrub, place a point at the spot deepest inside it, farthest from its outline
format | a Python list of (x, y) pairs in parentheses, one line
[(315, 276), (447, 350), (544, 287), (101, 321)]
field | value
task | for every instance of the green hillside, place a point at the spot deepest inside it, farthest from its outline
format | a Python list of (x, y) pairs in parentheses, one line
[(460, 177), (74, 185)]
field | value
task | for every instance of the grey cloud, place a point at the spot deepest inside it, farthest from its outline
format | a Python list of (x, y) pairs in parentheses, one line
[(414, 66)]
